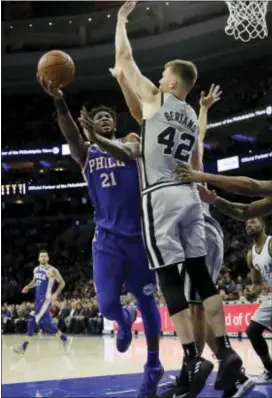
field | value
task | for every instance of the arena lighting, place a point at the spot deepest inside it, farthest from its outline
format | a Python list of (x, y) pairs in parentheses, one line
[(70, 21), (90, 19), (30, 25), (243, 138), (108, 16), (147, 8), (11, 27), (50, 23), (241, 118), (167, 4)]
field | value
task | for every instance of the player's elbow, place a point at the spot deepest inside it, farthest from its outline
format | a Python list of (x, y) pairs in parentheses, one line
[(123, 56)]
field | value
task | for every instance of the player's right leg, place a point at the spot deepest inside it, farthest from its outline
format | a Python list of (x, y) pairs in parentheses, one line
[(31, 325), (261, 321), (193, 232), (108, 278), (161, 215)]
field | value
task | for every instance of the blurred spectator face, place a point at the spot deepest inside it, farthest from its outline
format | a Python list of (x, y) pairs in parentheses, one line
[(43, 258), (78, 306), (227, 277), (254, 227), (73, 305)]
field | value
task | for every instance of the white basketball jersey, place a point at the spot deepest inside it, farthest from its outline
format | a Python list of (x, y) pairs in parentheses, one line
[(262, 262), (167, 138)]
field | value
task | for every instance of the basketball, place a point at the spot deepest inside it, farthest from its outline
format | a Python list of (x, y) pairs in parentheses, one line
[(56, 66)]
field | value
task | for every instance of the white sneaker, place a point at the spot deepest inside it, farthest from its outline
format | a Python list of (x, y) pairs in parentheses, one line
[(243, 388), (18, 350), (264, 378)]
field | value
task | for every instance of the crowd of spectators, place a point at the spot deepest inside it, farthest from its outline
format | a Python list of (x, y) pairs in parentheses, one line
[(69, 246), (72, 316)]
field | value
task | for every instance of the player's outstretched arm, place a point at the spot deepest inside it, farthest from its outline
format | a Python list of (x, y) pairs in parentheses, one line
[(67, 125), (239, 211), (132, 100), (146, 90), (240, 185), (130, 149)]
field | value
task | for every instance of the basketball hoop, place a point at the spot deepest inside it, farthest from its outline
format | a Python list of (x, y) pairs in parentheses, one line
[(247, 19)]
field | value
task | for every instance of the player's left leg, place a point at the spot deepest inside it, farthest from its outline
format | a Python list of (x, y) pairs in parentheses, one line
[(44, 321), (141, 282)]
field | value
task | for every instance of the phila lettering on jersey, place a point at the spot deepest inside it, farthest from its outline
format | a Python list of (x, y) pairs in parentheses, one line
[(114, 192), (262, 261), (167, 138), (45, 281)]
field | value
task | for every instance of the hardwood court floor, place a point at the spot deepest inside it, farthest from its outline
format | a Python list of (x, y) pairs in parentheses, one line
[(94, 368)]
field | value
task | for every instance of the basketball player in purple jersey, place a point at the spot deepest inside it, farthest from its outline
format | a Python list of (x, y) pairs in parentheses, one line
[(44, 278), (118, 250)]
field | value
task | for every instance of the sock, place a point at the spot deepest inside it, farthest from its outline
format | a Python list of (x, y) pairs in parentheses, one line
[(153, 360), (190, 351), (222, 343), (152, 327), (62, 336), (25, 345)]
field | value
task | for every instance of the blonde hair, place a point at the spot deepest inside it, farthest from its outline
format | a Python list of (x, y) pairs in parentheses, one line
[(186, 70)]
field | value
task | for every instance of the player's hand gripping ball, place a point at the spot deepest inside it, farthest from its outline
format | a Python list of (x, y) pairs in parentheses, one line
[(57, 67)]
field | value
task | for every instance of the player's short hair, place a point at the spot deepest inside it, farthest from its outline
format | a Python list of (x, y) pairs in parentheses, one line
[(43, 251), (103, 108), (186, 70)]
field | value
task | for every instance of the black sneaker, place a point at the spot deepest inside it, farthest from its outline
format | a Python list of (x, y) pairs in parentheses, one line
[(181, 386), (242, 385), (230, 365), (199, 370)]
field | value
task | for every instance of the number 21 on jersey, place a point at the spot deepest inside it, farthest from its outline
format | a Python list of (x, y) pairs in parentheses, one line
[(108, 180), (167, 139)]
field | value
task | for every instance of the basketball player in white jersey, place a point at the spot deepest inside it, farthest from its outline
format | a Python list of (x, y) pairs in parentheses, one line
[(174, 233), (259, 260)]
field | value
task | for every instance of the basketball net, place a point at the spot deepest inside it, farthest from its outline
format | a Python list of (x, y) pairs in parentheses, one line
[(247, 19)]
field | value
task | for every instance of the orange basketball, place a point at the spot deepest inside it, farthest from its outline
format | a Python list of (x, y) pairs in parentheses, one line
[(56, 66)]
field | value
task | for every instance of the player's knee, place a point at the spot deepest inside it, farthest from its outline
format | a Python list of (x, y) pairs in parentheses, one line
[(254, 330), (109, 308), (172, 287), (199, 274)]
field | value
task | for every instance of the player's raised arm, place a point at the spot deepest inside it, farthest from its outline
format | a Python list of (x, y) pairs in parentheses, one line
[(239, 211), (132, 100), (206, 102), (67, 125), (146, 90), (130, 149), (240, 185)]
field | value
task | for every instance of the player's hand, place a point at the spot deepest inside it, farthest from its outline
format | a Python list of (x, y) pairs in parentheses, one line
[(49, 88), (206, 195), (87, 123), (25, 290), (214, 95), (185, 172), (126, 10), (54, 297), (117, 72)]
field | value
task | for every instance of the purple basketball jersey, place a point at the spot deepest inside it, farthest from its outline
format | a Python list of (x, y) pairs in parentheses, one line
[(44, 283), (114, 191)]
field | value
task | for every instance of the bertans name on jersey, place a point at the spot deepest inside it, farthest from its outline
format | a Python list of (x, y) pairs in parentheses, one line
[(182, 119), (104, 163)]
